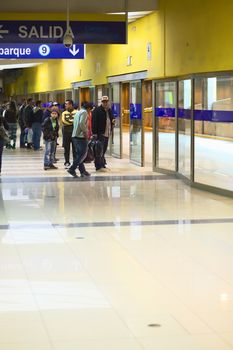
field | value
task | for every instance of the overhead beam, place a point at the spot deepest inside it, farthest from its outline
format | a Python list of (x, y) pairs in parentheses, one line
[(87, 6)]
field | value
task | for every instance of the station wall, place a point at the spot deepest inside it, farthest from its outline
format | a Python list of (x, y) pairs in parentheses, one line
[(186, 37)]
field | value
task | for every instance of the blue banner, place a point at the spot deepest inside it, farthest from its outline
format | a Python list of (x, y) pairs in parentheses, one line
[(203, 115), (184, 113), (84, 32), (165, 112), (41, 51), (214, 116)]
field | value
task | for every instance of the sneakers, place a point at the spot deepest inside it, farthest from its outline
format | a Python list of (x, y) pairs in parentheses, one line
[(53, 167), (47, 167), (85, 174), (72, 173), (102, 170), (67, 165)]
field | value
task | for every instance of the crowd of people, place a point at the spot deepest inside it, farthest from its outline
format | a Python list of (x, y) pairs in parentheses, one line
[(77, 127)]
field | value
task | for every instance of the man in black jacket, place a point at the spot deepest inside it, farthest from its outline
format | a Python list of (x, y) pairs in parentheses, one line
[(102, 125), (28, 115), (37, 118)]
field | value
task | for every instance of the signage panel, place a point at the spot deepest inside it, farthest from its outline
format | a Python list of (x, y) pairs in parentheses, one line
[(85, 32), (41, 51)]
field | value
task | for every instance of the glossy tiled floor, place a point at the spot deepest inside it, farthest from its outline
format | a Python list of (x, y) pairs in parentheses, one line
[(128, 260)]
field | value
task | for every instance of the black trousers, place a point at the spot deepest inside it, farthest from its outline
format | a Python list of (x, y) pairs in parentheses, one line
[(67, 142), (1, 150), (100, 160)]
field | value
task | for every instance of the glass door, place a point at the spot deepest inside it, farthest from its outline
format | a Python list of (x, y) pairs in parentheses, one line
[(84, 94), (213, 121), (125, 120), (76, 96), (136, 144), (165, 112), (116, 140), (184, 127)]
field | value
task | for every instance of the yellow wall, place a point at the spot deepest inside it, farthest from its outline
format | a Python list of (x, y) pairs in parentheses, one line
[(140, 32), (198, 36), (58, 74), (187, 37)]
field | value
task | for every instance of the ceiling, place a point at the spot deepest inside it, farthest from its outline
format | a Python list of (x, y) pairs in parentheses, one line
[(77, 6), (135, 8)]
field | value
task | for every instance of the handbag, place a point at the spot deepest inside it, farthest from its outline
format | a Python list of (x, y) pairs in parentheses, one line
[(3, 135)]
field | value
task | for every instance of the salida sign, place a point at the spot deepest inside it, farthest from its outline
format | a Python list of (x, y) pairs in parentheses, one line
[(32, 32), (97, 32)]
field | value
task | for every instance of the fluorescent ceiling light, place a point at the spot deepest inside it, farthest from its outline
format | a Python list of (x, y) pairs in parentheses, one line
[(18, 65), (133, 16)]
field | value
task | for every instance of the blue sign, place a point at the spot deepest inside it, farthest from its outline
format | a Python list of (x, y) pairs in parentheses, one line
[(135, 111), (116, 110), (46, 51), (165, 112), (84, 32)]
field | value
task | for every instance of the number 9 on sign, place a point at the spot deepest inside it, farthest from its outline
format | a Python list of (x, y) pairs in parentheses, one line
[(44, 50)]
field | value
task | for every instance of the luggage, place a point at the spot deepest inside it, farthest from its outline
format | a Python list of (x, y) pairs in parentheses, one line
[(90, 152), (98, 149), (94, 151), (4, 135)]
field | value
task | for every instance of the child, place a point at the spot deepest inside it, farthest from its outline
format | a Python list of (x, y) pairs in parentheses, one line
[(50, 129)]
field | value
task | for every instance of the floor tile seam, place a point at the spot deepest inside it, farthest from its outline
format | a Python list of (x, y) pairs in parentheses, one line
[(119, 314), (157, 279), (147, 223), (199, 317), (122, 223), (180, 323), (190, 307), (98, 287), (163, 284), (224, 340), (40, 315), (209, 269), (94, 178)]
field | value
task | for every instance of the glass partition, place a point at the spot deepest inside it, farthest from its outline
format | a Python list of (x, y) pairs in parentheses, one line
[(92, 95), (116, 109), (76, 97), (68, 95), (204, 137), (136, 150), (44, 97), (213, 118), (165, 125), (60, 98), (184, 127)]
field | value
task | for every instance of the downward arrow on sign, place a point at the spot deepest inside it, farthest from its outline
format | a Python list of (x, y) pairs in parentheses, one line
[(73, 51)]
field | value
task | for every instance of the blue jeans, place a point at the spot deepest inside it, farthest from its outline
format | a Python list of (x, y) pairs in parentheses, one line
[(22, 137), (49, 152), (36, 128), (80, 146)]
